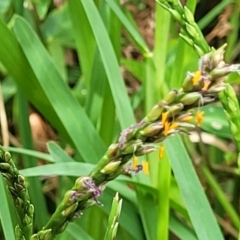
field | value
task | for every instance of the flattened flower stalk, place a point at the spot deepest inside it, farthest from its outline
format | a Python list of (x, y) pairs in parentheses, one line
[(170, 116), (17, 189)]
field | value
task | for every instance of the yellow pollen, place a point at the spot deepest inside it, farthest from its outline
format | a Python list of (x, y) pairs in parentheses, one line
[(196, 78), (145, 167), (187, 119), (164, 117), (166, 128), (134, 162), (161, 151), (174, 125), (199, 118), (206, 85)]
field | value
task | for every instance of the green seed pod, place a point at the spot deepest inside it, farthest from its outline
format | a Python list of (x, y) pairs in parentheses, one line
[(19, 188), (18, 232), (191, 30), (233, 128), (8, 157), (218, 56), (231, 105), (188, 83), (186, 38), (216, 88), (171, 96), (199, 51), (12, 192), (151, 130), (5, 166), (21, 179), (190, 98), (63, 227), (227, 115), (68, 199), (27, 220), (111, 167), (8, 177), (70, 209), (34, 237), (113, 150), (145, 150), (45, 234), (19, 203), (79, 183), (30, 210), (131, 146), (188, 15), (175, 109), (154, 113), (176, 15)]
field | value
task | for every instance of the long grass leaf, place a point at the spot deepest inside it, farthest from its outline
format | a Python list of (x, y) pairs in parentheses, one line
[(35, 188), (213, 13), (199, 210), (71, 115), (221, 197), (5, 216), (130, 28), (109, 60)]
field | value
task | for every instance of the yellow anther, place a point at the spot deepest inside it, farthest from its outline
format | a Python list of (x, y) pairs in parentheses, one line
[(196, 78), (145, 167), (199, 118), (187, 119), (164, 117), (206, 85), (174, 125), (161, 151), (166, 128), (134, 162)]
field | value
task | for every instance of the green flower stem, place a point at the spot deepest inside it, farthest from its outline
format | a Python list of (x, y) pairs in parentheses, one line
[(190, 31), (171, 115), (18, 190), (232, 111), (113, 218)]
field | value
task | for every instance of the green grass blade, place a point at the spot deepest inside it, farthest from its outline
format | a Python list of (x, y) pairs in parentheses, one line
[(199, 210), (109, 60), (164, 174), (35, 187), (180, 230), (31, 153), (73, 118), (130, 28), (57, 153), (235, 219), (77, 232), (65, 169), (6, 220), (213, 13)]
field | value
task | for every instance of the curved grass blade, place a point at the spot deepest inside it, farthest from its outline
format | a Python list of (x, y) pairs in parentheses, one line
[(64, 169), (109, 60), (199, 210), (5, 216), (68, 110), (31, 153), (57, 153), (130, 28), (213, 13)]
